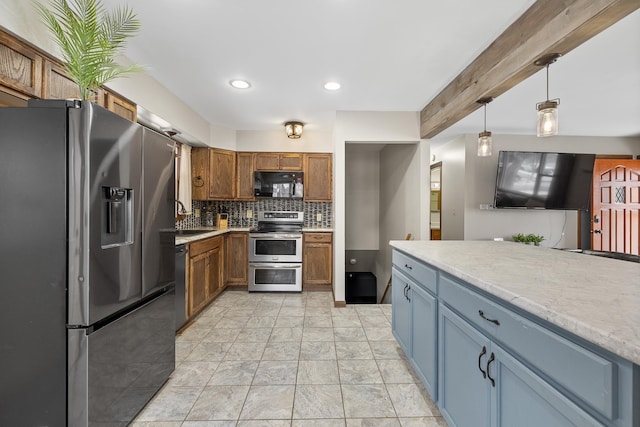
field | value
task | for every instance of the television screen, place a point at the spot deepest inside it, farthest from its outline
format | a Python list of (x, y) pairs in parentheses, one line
[(544, 180)]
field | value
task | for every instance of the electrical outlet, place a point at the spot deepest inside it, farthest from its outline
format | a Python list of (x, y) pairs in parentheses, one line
[(196, 212), (249, 213), (319, 217)]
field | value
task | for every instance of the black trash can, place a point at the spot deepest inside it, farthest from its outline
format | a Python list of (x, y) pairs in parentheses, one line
[(360, 288)]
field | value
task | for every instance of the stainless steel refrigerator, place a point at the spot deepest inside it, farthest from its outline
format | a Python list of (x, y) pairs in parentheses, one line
[(87, 265)]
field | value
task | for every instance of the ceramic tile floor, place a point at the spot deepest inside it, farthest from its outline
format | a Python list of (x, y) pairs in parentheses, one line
[(276, 360)]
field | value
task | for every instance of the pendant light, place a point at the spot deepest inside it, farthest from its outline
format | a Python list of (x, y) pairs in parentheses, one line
[(547, 122), (485, 143)]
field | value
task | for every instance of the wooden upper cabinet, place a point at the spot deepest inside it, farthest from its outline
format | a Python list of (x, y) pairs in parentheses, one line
[(244, 176), (290, 162), (278, 161), (56, 84), (213, 174), (120, 106), (20, 68), (317, 177)]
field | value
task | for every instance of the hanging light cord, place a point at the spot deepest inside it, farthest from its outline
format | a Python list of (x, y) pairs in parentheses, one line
[(485, 117), (548, 81)]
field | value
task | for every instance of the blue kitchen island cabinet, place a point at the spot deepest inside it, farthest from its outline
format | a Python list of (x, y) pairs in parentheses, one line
[(414, 323), (520, 344)]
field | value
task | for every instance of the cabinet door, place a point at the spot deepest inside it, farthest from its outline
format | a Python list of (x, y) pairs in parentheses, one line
[(424, 337), (121, 106), (56, 83), (290, 162), (222, 174), (200, 173), (317, 177), (214, 282), (20, 68), (237, 255), (401, 310), (244, 176), (521, 398), (463, 390), (267, 161), (198, 282), (317, 259)]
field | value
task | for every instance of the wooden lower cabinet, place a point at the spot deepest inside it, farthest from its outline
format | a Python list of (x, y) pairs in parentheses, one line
[(317, 259), (206, 263), (237, 258)]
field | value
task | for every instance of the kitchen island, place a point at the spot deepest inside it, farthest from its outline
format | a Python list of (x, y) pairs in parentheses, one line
[(521, 335)]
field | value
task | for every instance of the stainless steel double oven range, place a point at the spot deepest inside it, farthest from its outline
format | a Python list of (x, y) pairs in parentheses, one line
[(275, 252)]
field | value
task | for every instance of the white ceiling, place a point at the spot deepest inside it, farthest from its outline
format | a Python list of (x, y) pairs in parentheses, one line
[(388, 56)]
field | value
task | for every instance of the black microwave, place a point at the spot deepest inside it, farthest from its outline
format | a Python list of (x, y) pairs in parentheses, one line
[(288, 185)]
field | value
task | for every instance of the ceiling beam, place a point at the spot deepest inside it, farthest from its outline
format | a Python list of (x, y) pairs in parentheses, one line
[(548, 26)]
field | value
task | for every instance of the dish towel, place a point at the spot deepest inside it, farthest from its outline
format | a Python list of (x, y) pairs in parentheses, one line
[(183, 192)]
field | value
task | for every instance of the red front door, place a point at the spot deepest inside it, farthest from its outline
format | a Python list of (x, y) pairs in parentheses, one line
[(616, 206)]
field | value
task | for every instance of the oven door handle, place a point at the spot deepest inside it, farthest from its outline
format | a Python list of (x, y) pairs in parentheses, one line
[(274, 265), (271, 236)]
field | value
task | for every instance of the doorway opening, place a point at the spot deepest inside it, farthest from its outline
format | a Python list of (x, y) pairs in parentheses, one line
[(435, 208)]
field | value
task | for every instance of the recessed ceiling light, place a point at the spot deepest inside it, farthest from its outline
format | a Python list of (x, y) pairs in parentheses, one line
[(240, 84), (332, 86)]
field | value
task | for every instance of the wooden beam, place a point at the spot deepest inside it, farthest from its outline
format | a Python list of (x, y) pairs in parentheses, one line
[(548, 26)]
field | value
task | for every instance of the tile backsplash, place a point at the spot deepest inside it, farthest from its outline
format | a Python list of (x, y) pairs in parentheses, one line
[(237, 212)]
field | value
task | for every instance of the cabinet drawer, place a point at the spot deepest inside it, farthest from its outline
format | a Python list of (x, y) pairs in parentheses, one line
[(420, 272), (588, 376), (205, 245), (318, 237)]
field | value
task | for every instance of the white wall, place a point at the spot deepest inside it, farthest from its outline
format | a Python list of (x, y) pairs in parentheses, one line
[(369, 127), (310, 141), (558, 227), (402, 176), (453, 188), (362, 191), (20, 17)]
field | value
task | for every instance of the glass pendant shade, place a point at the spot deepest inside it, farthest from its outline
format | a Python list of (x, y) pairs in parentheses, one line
[(547, 118), (485, 144), (293, 129)]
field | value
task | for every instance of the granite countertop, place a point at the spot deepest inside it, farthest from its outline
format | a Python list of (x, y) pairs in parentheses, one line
[(592, 297), (317, 230), (206, 233)]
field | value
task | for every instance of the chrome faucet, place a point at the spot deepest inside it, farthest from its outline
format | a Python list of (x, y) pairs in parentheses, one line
[(183, 210)]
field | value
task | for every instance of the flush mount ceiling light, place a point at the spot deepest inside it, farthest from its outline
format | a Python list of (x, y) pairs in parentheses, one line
[(547, 122), (332, 85), (293, 129), (240, 84), (485, 144)]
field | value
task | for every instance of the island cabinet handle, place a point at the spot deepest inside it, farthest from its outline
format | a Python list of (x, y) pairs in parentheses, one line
[(482, 353), (481, 313), (408, 266), (406, 287), (491, 359)]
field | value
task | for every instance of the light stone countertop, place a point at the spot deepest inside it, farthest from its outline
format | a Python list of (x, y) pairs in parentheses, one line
[(592, 297), (214, 231), (207, 232)]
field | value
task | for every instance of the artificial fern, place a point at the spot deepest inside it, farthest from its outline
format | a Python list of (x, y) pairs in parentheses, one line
[(89, 39)]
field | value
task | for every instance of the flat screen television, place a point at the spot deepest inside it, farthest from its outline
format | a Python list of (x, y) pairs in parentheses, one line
[(533, 180)]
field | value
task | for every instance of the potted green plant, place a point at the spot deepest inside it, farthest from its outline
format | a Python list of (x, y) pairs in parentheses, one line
[(519, 238), (90, 38), (535, 238)]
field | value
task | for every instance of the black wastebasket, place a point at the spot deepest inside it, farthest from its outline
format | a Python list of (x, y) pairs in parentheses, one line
[(360, 288)]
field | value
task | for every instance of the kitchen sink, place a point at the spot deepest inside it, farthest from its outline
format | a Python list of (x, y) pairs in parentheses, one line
[(189, 232)]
